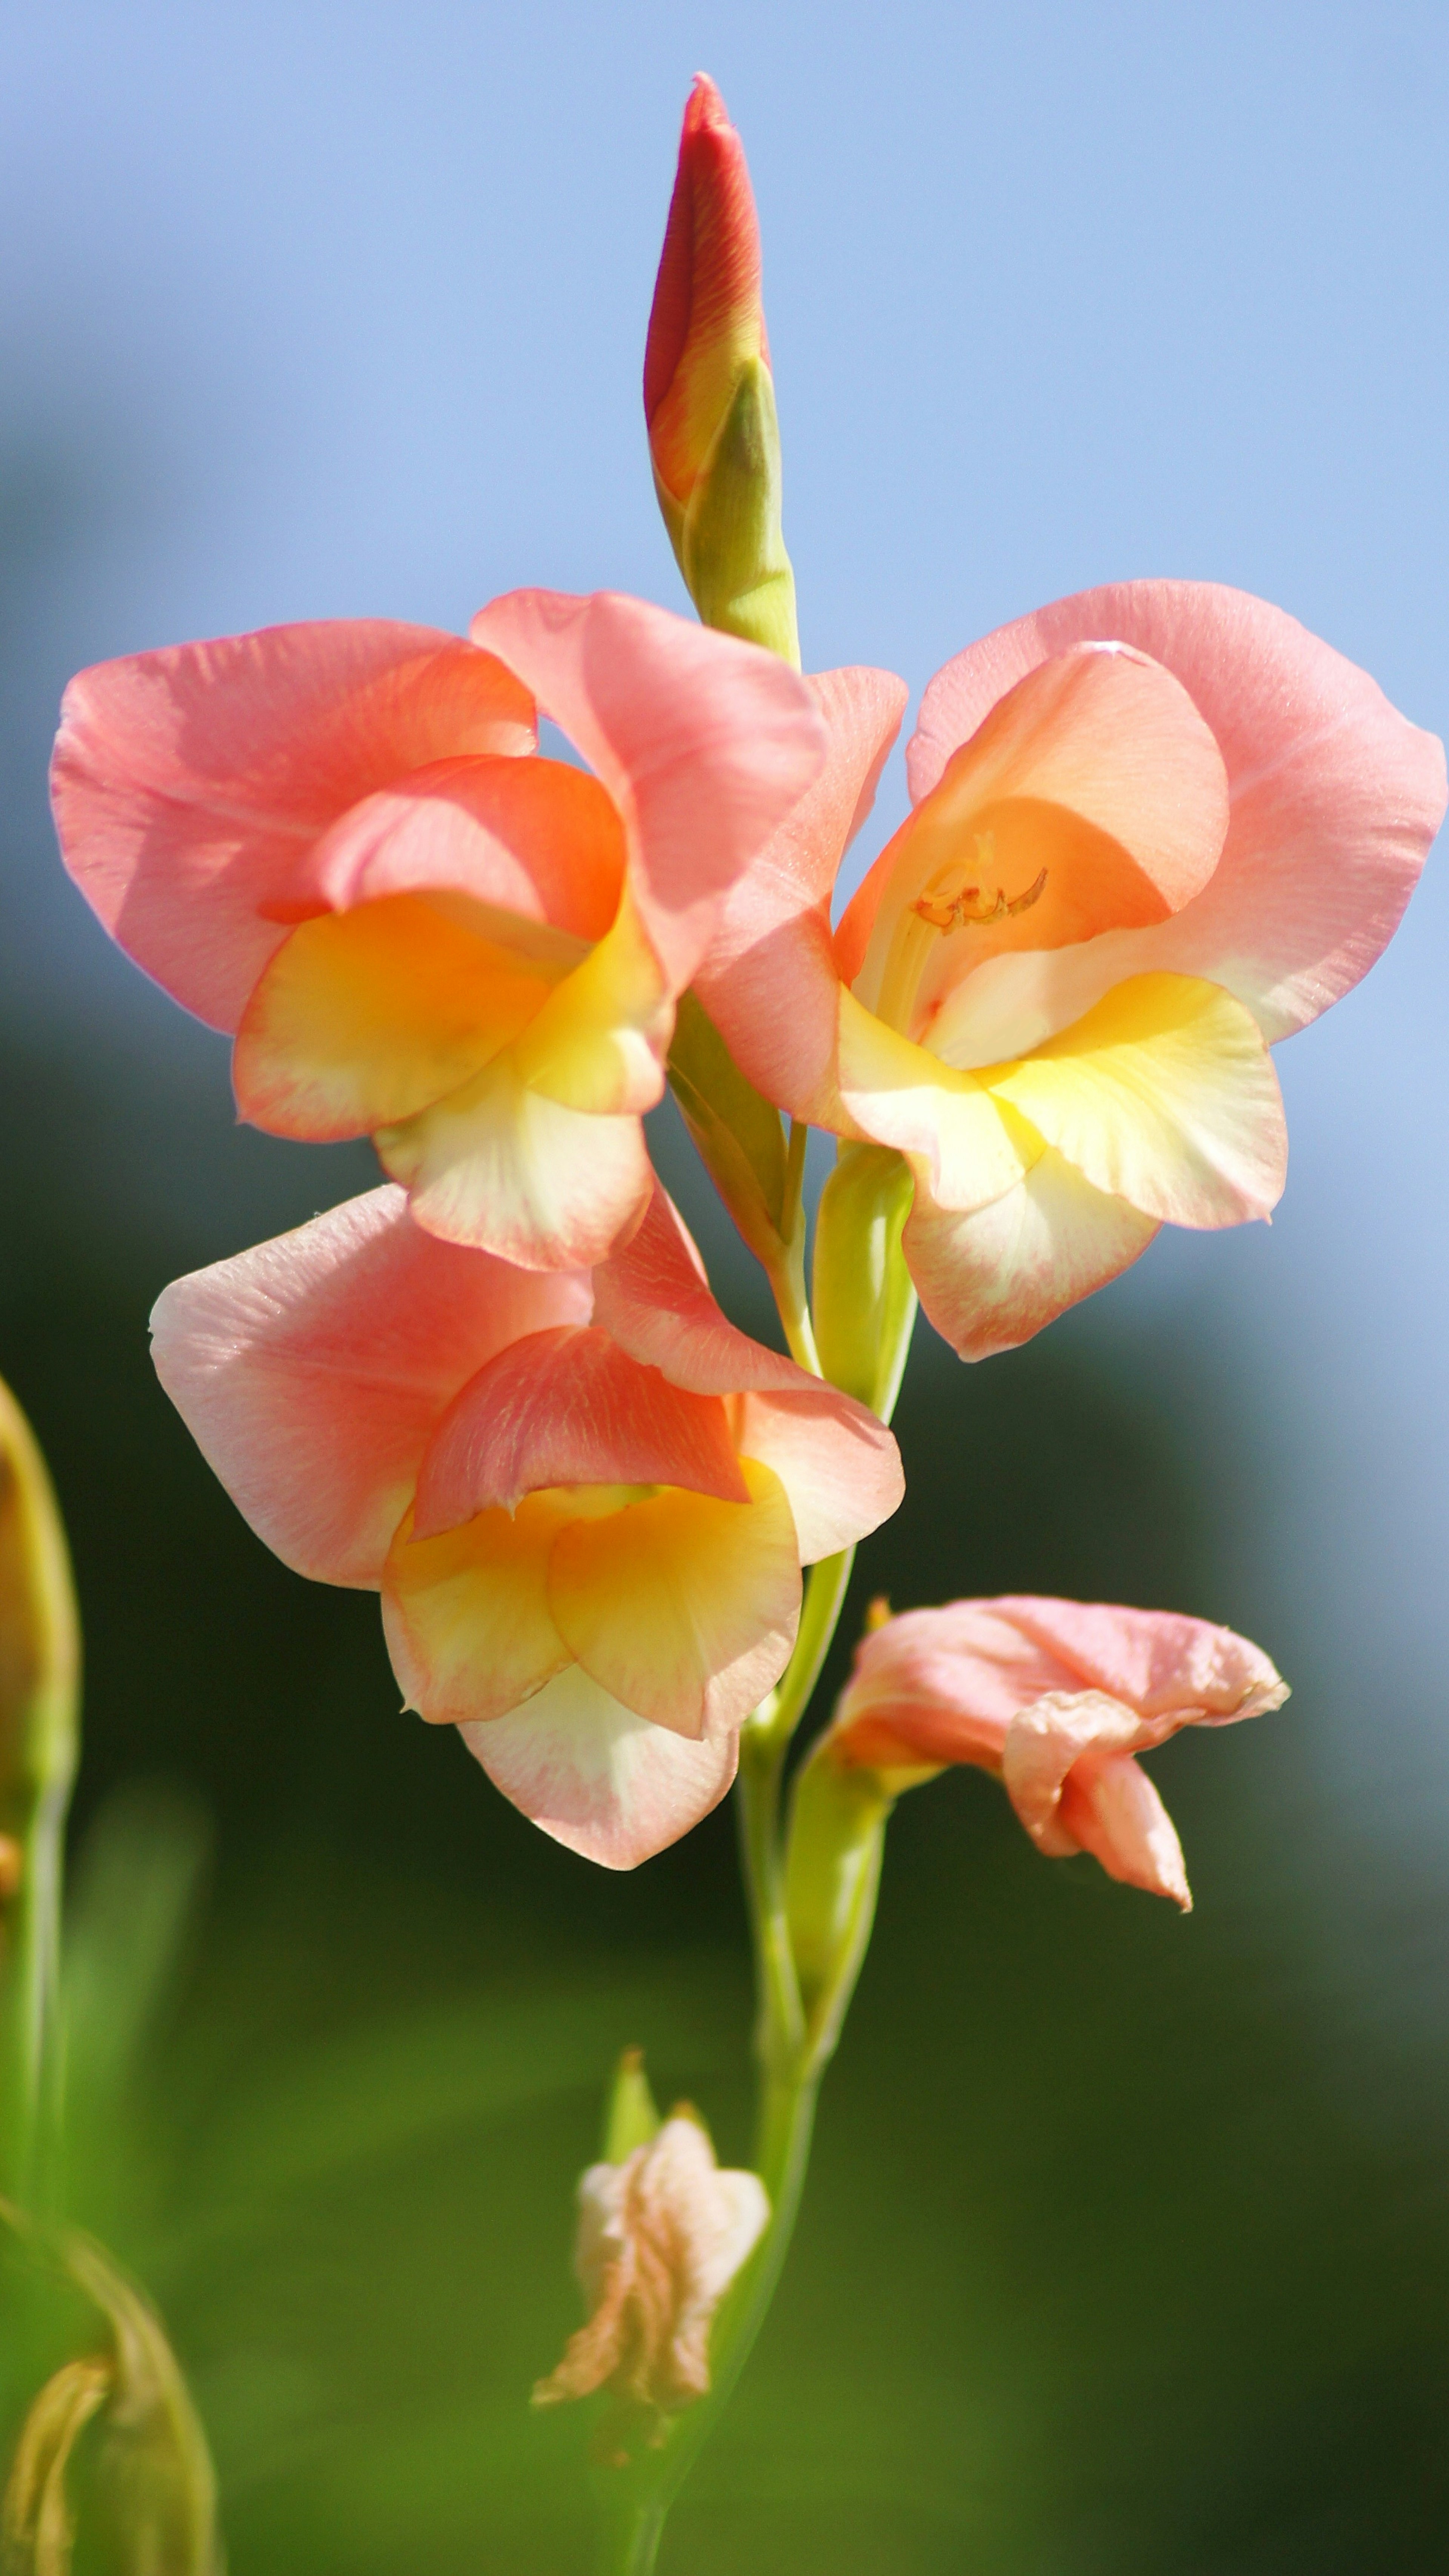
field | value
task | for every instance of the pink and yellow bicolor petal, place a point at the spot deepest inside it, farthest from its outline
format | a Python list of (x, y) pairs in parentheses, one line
[(327, 840), (587, 1516)]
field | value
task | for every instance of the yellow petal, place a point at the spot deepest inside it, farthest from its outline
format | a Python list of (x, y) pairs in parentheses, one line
[(467, 1615), (683, 1607), (599, 1040), (365, 1017), (1163, 1095)]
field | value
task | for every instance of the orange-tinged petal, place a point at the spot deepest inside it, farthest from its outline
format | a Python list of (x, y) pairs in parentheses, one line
[(682, 1607), (988, 1278), (599, 1779), (505, 1168), (367, 1017), (1093, 795), (535, 837), (466, 1613), (1163, 1095), (570, 1408)]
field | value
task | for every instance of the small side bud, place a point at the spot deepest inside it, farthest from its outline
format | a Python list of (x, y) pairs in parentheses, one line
[(661, 2236), (863, 1300), (709, 396)]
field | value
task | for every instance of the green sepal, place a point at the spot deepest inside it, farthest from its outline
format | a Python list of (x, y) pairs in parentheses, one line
[(631, 2116), (731, 548), (738, 1134), (863, 1300), (838, 1816)]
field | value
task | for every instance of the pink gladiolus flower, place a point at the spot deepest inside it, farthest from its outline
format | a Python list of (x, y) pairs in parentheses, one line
[(1056, 1698), (338, 842), (1155, 829), (706, 322), (660, 2239), (585, 1498)]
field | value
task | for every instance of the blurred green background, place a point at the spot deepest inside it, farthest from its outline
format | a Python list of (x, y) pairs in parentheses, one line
[(1127, 2241)]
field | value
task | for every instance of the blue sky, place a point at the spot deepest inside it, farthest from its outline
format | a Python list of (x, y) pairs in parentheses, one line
[(313, 310)]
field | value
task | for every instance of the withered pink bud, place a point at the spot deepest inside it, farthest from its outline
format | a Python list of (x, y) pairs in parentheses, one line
[(1056, 1698), (660, 2239)]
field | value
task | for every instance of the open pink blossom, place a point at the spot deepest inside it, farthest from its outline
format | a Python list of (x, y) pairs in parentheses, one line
[(584, 1497), (338, 842), (1156, 828), (1056, 1698)]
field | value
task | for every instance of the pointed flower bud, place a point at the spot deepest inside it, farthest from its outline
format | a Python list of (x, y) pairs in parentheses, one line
[(709, 395), (661, 2237)]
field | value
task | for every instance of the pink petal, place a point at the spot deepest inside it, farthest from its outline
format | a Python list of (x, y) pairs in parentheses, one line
[(535, 838), (189, 785), (1172, 1670), (1335, 797), (568, 1407), (598, 1778), (992, 1277), (654, 1298), (1112, 1810), (946, 1684), (769, 979), (1042, 1743), (703, 742), (839, 1466), (312, 1370), (1096, 779)]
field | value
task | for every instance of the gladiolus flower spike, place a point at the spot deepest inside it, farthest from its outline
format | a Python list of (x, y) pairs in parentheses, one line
[(584, 1497)]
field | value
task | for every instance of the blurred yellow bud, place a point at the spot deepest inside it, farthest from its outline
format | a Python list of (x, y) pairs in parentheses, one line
[(148, 2493), (39, 1734), (709, 396), (661, 2236)]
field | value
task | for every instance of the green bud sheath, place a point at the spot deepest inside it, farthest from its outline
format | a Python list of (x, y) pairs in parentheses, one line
[(863, 1301), (730, 547)]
